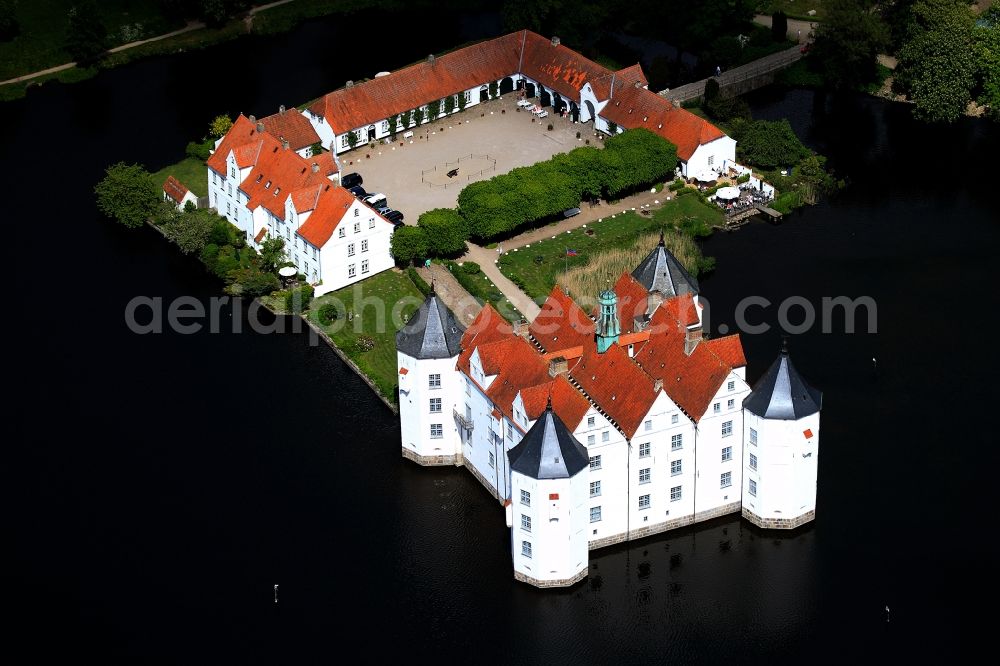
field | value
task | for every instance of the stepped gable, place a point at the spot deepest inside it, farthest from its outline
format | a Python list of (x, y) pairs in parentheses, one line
[(782, 393), (292, 126), (561, 323), (638, 107), (567, 402), (332, 204), (432, 331), (691, 381), (549, 450), (617, 385), (411, 87), (661, 271), (243, 139)]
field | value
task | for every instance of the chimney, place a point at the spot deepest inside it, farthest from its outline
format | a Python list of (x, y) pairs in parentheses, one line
[(260, 126), (653, 301), (281, 109), (430, 59), (691, 338), (315, 167), (350, 84), (253, 119), (657, 386), (284, 144), (555, 41), (558, 366)]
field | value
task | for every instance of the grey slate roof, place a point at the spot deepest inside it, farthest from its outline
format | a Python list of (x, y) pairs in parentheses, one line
[(782, 393), (432, 331), (660, 271), (549, 450)]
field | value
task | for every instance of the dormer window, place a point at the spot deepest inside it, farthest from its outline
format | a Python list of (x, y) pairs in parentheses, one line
[(276, 190), (645, 118), (356, 212), (267, 185), (259, 177)]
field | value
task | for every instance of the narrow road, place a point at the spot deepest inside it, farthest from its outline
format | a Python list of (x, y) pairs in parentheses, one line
[(194, 25), (797, 28)]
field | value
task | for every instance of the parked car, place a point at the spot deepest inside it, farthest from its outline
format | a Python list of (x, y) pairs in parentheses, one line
[(351, 179), (382, 210), (358, 191), (376, 200), (393, 216), (571, 212)]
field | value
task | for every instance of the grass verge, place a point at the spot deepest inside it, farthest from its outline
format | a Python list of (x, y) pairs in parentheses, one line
[(190, 171)]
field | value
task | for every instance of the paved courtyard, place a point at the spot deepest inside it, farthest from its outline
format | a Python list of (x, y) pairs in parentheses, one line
[(480, 142)]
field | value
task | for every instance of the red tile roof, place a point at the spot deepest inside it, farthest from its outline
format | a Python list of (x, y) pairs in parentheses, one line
[(406, 89), (291, 126), (729, 350), (327, 165), (276, 174), (332, 203), (175, 189), (306, 198), (617, 384), (488, 326), (242, 138), (557, 67), (568, 403), (633, 300), (561, 323)]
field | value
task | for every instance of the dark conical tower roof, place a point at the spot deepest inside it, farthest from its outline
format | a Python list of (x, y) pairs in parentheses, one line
[(549, 450), (432, 332), (782, 393), (660, 271)]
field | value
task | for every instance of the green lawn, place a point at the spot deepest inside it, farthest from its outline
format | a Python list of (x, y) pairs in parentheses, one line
[(792, 8), (381, 294), (538, 265), (191, 171), (43, 25)]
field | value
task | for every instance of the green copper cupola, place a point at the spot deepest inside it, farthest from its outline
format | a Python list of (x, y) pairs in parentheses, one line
[(608, 327)]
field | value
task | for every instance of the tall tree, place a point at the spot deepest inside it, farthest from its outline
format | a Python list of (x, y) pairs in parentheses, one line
[(988, 39), (220, 125), (127, 194), (445, 229), (272, 254), (939, 60), (86, 36), (848, 42)]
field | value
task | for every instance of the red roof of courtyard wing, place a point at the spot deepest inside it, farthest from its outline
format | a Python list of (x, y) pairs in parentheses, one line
[(568, 403), (292, 126), (561, 323), (617, 385), (174, 189), (333, 202)]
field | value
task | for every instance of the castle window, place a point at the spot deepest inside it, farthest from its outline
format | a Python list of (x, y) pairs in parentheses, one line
[(364, 266), (676, 442), (526, 548), (753, 436), (525, 498), (350, 249), (341, 232), (351, 271), (437, 431), (595, 514), (643, 502), (753, 461), (371, 222), (711, 160), (644, 450), (493, 460), (434, 381), (595, 488), (753, 487), (590, 440), (716, 408), (731, 386), (727, 454), (595, 462), (525, 523), (356, 212), (649, 426), (435, 405), (510, 431), (468, 386), (644, 475), (726, 480), (357, 227), (674, 418), (676, 467), (675, 493), (731, 403), (590, 421), (727, 428), (605, 436)]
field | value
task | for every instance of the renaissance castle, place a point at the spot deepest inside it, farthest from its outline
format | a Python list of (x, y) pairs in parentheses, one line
[(596, 428)]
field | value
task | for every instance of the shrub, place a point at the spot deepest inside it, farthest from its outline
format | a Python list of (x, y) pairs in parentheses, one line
[(471, 268), (328, 313), (418, 281), (768, 144), (127, 194), (200, 150), (297, 300), (676, 185), (408, 244), (745, 178), (364, 343)]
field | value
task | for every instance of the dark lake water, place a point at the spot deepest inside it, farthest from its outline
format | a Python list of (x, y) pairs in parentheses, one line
[(168, 481)]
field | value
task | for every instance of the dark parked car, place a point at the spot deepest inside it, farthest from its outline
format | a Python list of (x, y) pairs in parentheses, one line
[(571, 212), (393, 216), (351, 179), (358, 191)]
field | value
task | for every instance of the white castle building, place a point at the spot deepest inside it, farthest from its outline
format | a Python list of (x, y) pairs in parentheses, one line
[(594, 429)]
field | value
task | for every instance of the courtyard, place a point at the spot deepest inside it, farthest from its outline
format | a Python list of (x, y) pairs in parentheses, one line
[(430, 168)]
